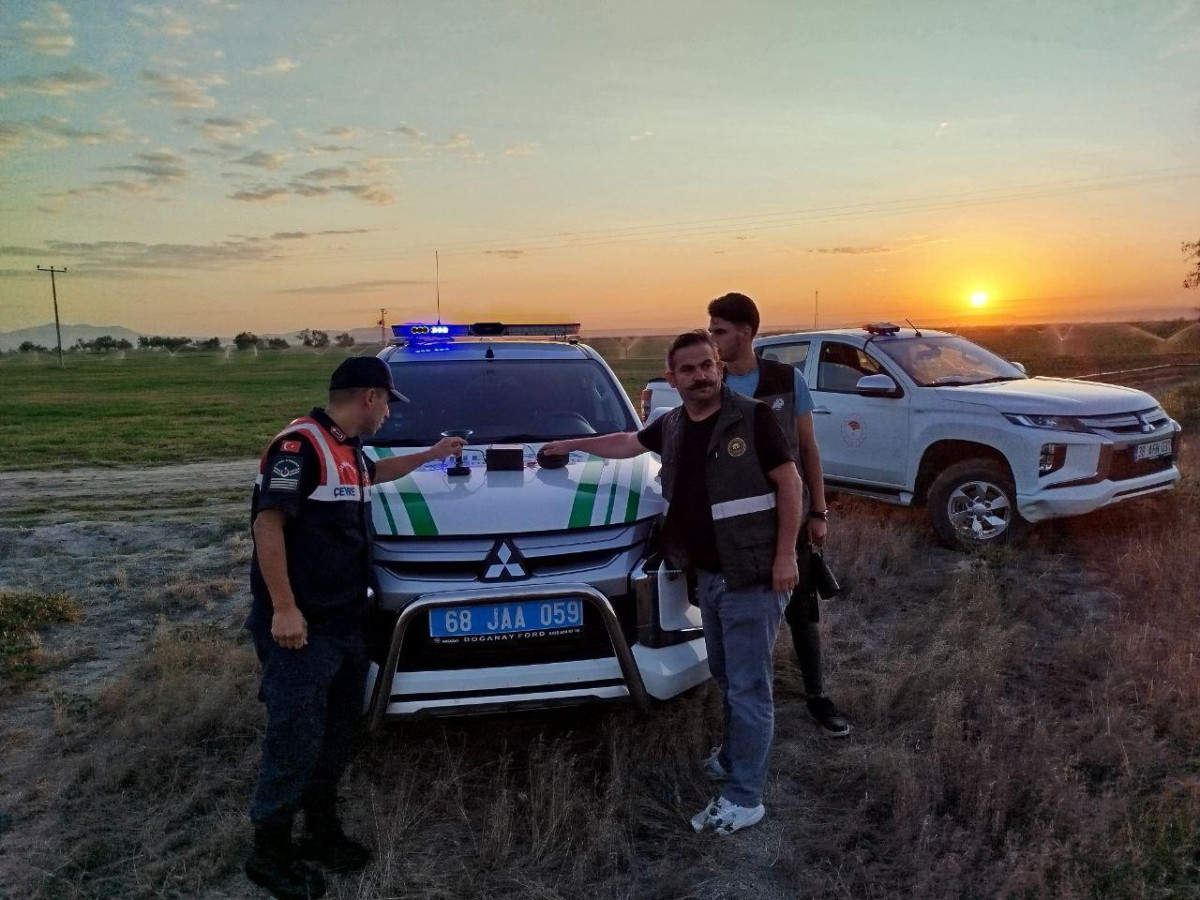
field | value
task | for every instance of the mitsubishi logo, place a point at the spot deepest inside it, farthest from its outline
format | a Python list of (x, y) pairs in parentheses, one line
[(504, 563), (1145, 423)]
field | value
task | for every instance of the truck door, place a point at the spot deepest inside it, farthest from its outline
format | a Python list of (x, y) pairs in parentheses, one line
[(862, 439)]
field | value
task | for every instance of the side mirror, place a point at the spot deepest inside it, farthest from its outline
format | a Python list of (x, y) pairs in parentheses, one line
[(1020, 366), (877, 386)]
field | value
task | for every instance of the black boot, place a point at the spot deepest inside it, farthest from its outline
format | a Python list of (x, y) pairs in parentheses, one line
[(324, 841), (329, 846), (274, 865)]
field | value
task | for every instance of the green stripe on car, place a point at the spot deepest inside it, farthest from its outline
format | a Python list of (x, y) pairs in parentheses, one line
[(414, 502), (635, 488), (585, 494)]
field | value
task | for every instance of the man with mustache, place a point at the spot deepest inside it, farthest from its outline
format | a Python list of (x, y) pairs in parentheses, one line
[(733, 495)]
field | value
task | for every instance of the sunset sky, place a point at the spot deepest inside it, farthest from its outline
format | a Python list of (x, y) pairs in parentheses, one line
[(208, 166)]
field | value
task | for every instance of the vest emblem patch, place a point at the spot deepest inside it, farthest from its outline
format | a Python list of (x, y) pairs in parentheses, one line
[(736, 447), (777, 404)]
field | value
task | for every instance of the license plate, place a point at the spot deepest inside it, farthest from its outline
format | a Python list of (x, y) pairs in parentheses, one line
[(521, 617), (1153, 450)]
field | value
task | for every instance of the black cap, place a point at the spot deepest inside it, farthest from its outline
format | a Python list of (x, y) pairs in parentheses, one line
[(365, 372)]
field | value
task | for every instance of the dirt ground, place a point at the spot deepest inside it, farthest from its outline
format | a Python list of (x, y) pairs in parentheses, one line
[(139, 548)]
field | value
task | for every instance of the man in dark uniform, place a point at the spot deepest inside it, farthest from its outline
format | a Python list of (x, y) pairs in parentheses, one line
[(733, 513), (311, 520), (733, 323)]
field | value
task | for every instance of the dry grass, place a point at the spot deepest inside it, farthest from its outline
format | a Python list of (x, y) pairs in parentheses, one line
[(22, 613), (188, 591), (141, 793), (1025, 727)]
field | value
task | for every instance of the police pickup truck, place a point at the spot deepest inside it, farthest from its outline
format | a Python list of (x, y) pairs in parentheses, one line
[(502, 582), (908, 416)]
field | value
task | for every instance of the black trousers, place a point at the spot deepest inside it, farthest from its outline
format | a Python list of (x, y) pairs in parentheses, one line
[(314, 700), (803, 615)]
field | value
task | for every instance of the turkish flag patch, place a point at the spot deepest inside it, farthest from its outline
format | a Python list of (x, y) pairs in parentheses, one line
[(290, 447)]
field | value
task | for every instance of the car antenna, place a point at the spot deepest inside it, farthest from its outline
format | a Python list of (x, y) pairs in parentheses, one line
[(437, 281), (913, 327)]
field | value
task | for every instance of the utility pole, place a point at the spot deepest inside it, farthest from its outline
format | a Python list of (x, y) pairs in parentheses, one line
[(816, 307), (54, 293), (383, 326)]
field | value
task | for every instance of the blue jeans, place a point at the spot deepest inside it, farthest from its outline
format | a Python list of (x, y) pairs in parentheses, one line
[(740, 628), (314, 700)]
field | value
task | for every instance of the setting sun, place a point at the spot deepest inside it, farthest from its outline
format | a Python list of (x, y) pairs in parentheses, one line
[(979, 299)]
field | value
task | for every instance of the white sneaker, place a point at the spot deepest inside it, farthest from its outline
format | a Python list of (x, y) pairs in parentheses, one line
[(701, 820), (728, 817), (712, 766)]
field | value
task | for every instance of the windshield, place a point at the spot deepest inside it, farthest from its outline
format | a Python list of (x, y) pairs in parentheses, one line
[(503, 401), (948, 361)]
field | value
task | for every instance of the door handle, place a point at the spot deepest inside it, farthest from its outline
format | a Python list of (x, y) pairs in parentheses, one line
[(821, 411)]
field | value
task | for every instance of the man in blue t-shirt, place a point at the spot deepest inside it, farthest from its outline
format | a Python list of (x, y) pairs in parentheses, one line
[(733, 323)]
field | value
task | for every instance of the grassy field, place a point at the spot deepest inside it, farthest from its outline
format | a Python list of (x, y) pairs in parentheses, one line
[(1026, 721), (141, 408), (153, 408)]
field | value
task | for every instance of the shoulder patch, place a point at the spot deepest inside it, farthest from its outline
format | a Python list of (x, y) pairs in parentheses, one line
[(284, 474), (290, 447)]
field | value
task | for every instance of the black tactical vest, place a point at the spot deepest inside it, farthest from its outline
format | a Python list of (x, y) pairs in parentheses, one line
[(776, 388), (742, 497)]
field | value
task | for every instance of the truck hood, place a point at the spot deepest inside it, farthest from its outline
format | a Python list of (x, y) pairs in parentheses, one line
[(588, 491), (1052, 396)]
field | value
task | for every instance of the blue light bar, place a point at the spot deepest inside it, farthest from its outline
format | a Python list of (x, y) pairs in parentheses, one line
[(426, 331), (885, 329)]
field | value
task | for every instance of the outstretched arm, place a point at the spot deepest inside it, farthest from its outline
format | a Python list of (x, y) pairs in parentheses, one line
[(621, 445), (398, 466)]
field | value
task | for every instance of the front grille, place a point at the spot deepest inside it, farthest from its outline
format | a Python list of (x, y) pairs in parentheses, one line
[(469, 567), (463, 560), (421, 654), (1144, 421)]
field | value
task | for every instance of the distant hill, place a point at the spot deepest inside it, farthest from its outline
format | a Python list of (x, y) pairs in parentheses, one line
[(44, 335)]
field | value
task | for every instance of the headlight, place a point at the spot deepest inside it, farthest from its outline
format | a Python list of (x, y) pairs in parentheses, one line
[(1054, 423)]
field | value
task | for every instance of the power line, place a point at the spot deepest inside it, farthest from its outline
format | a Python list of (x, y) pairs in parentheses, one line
[(54, 293)]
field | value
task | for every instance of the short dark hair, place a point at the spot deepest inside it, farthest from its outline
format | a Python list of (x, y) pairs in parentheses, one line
[(736, 308), (689, 339), (338, 396)]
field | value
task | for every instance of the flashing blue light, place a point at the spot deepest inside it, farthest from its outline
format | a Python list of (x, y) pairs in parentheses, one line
[(426, 331)]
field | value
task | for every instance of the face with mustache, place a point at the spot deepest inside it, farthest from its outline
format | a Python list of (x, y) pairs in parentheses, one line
[(696, 373)]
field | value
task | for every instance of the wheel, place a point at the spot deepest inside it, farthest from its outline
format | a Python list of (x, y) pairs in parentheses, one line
[(973, 505)]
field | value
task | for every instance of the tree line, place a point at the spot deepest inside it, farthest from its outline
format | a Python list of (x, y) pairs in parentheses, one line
[(246, 340)]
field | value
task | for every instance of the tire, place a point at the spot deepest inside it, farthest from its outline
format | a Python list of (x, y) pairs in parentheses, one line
[(973, 505)]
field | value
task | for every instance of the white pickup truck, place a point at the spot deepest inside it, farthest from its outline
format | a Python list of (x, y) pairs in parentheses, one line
[(909, 416)]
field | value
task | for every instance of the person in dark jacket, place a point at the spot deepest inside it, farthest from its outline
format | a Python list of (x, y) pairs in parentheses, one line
[(733, 323), (309, 575), (733, 495)]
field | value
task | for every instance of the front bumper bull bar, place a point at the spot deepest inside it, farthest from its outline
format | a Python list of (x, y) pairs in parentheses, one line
[(381, 694)]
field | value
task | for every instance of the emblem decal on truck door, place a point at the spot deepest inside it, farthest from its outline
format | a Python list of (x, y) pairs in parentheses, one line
[(854, 431)]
